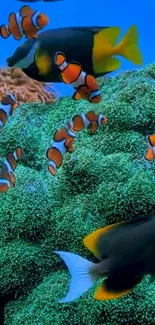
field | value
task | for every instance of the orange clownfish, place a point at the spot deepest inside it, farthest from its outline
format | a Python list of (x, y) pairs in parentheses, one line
[(150, 154), (25, 22), (63, 142), (7, 107), (64, 138), (7, 177), (85, 85)]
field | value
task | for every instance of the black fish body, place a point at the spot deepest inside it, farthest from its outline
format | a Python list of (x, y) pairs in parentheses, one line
[(126, 252), (75, 42)]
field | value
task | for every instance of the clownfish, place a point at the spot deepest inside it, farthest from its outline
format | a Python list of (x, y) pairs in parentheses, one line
[(63, 142), (26, 22), (150, 154), (7, 177), (125, 252), (64, 138), (7, 106), (90, 121), (85, 85)]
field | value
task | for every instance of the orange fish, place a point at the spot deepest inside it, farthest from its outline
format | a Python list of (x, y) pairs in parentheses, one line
[(7, 177), (63, 142), (64, 138), (150, 154), (7, 107), (25, 22), (85, 85)]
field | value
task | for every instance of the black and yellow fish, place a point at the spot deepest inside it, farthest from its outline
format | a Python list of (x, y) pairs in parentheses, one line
[(126, 252), (93, 47)]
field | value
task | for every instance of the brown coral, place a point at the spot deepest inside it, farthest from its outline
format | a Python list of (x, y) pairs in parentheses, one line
[(25, 89)]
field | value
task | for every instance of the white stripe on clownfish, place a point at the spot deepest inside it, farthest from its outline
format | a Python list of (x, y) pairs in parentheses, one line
[(19, 19), (94, 94), (6, 109), (85, 120), (80, 80), (34, 19), (5, 182), (6, 162), (60, 146)]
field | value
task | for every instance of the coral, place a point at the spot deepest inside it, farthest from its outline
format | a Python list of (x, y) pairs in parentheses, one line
[(14, 80), (105, 180)]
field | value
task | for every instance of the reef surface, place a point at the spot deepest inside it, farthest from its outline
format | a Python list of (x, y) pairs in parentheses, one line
[(105, 180)]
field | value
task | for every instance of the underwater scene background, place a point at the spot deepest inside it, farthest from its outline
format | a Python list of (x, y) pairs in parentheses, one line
[(105, 180)]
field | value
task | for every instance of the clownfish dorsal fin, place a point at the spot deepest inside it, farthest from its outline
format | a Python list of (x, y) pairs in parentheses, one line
[(91, 240), (151, 139), (26, 11), (59, 58)]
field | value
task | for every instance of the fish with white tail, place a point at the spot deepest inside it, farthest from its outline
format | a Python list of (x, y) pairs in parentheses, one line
[(126, 252)]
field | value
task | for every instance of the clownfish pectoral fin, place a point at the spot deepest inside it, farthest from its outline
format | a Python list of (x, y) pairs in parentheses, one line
[(150, 154), (26, 11), (115, 287), (13, 107), (19, 152), (107, 65), (4, 32), (76, 96), (151, 139), (91, 240)]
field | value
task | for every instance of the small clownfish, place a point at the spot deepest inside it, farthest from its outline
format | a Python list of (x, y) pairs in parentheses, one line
[(85, 85), (26, 22), (64, 138), (90, 121), (7, 107), (150, 154), (7, 177), (125, 253), (63, 142)]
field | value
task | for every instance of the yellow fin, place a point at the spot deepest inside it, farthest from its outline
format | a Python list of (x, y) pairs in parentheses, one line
[(43, 62), (107, 65), (91, 240), (110, 34), (102, 293), (128, 47), (104, 42)]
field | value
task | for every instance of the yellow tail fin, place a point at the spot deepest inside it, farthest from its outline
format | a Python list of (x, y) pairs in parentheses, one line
[(128, 47)]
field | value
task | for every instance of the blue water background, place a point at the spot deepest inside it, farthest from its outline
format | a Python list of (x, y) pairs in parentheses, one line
[(89, 13)]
